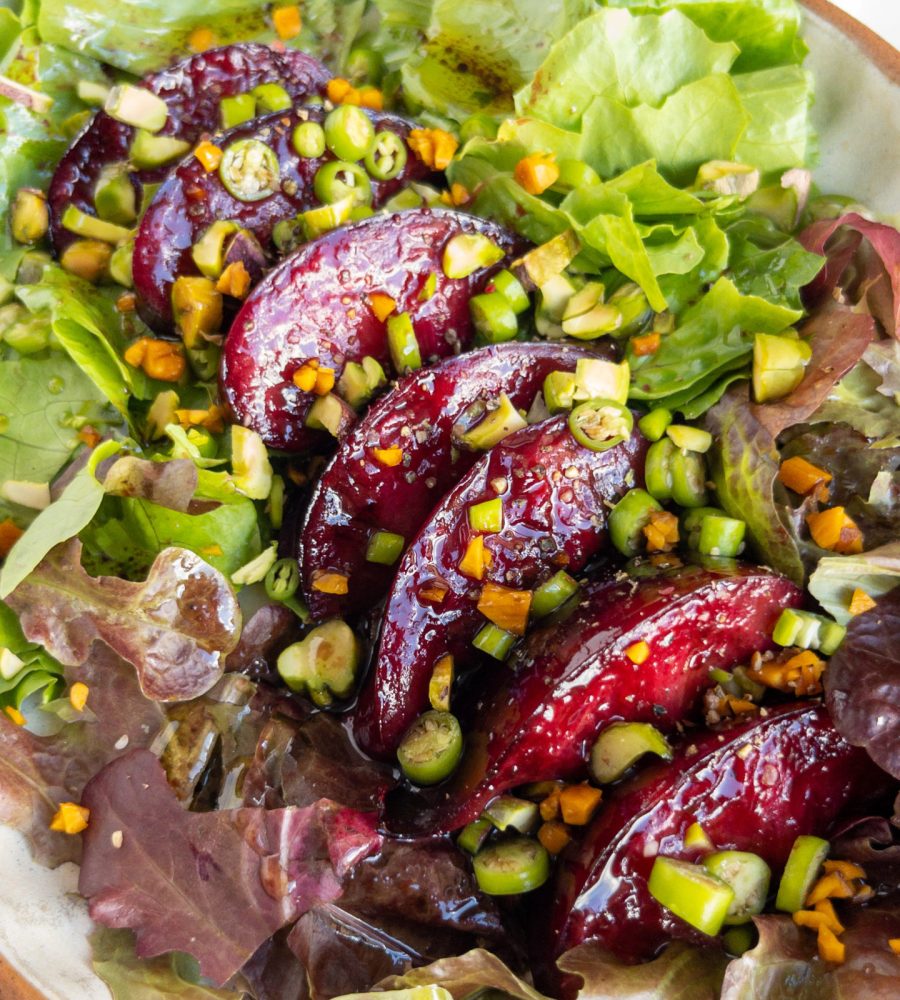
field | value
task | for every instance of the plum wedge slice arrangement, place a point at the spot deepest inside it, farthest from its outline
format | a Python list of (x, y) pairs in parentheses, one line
[(192, 92), (549, 495), (286, 183), (358, 496), (755, 787), (334, 301), (574, 676)]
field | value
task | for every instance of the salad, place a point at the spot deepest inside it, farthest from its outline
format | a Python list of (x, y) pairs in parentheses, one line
[(449, 490)]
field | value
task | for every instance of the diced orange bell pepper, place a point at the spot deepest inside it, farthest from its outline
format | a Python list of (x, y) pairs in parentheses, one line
[(389, 457), (433, 592), (554, 837), (894, 945), (78, 695), (70, 818), (209, 155), (433, 146), (201, 39), (578, 803), (506, 608), (160, 359), (849, 869), (830, 886), (549, 807), (802, 476), (835, 530), (382, 305), (234, 280), (638, 652), (126, 302), (473, 561), (860, 602), (830, 949), (324, 381), (337, 89), (826, 908), (15, 715), (537, 172), (10, 533), (330, 583), (287, 22), (648, 343), (370, 97), (661, 531)]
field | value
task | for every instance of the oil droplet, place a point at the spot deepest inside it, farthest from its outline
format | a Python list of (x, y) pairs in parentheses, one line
[(56, 385)]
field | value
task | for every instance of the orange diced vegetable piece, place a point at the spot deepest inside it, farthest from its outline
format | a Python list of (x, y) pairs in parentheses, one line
[(554, 837), (741, 706), (830, 886), (201, 39), (810, 918), (70, 818), (90, 437), (638, 652), (209, 155), (578, 803), (370, 97), (433, 592), (458, 194), (549, 807), (234, 280), (330, 583), (646, 344), (10, 533), (382, 305), (324, 381), (848, 869), (441, 684), (894, 945), (802, 476), (78, 695), (826, 908), (661, 531), (126, 302), (15, 715), (305, 376), (830, 949), (506, 608), (860, 602), (834, 529), (537, 172), (287, 22), (390, 457), (473, 561), (160, 359), (433, 146), (337, 89)]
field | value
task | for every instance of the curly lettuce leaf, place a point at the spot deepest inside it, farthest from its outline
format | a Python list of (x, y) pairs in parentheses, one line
[(863, 681), (175, 628), (835, 578), (767, 32), (215, 885), (857, 400), (633, 60), (39, 672)]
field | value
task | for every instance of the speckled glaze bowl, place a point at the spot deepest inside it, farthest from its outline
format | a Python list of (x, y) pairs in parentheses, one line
[(44, 953)]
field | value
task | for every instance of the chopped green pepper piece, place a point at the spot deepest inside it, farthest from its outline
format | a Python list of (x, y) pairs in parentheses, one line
[(237, 110), (249, 170), (695, 836), (688, 471), (431, 748), (309, 140), (429, 288), (465, 253), (271, 97), (385, 547), (340, 179), (559, 391), (553, 594), (749, 877), (387, 157), (510, 867), (653, 425), (628, 519), (493, 317), (600, 424), (324, 664), (316, 221), (114, 195), (800, 872), (803, 628), (507, 812), (739, 939), (120, 265), (487, 516), (692, 522), (402, 343), (721, 536), (93, 228), (363, 65), (599, 379), (148, 151), (208, 252), (692, 893), (658, 469), (472, 837), (494, 641), (509, 285), (136, 106), (92, 93), (690, 438), (621, 745), (349, 132), (283, 580)]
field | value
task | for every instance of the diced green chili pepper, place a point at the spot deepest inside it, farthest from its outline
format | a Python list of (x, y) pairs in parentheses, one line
[(120, 265), (283, 579), (507, 812), (92, 228), (402, 343), (431, 748), (553, 594), (494, 641), (487, 516), (472, 837), (621, 745), (658, 469), (309, 139), (237, 109), (493, 318), (653, 425), (692, 522), (349, 132), (688, 478), (509, 285), (323, 665), (749, 877), (387, 157), (249, 170), (114, 196), (800, 873), (559, 391), (600, 424), (384, 547), (628, 519), (271, 97), (465, 253), (721, 536), (690, 892), (148, 151), (803, 628), (275, 505), (690, 438), (340, 179), (510, 867), (316, 221)]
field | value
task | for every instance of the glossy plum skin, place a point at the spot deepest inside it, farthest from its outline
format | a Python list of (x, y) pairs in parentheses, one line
[(192, 90), (315, 305), (755, 788), (356, 496), (556, 495), (570, 679), (191, 199)]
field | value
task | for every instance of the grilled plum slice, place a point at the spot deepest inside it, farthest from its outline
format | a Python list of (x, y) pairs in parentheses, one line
[(316, 305), (555, 496), (573, 677), (357, 495), (755, 787), (192, 198), (191, 90)]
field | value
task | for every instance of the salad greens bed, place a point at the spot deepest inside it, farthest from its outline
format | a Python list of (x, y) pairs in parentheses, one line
[(680, 134)]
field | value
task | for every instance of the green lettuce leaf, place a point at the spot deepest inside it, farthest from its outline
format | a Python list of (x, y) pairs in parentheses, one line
[(632, 60), (836, 577), (856, 401), (710, 336), (39, 670), (767, 32), (777, 103)]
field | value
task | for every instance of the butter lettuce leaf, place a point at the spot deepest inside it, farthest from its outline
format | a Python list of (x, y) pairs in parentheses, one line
[(777, 102)]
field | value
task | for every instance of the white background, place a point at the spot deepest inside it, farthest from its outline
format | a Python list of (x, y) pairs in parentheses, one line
[(882, 16)]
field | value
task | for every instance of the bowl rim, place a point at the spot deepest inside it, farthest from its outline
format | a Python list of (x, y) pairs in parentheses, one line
[(880, 53)]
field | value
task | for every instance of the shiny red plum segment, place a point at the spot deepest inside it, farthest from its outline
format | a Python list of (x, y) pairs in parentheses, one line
[(316, 305), (191, 90), (755, 788), (192, 198), (573, 677), (555, 495), (357, 495)]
